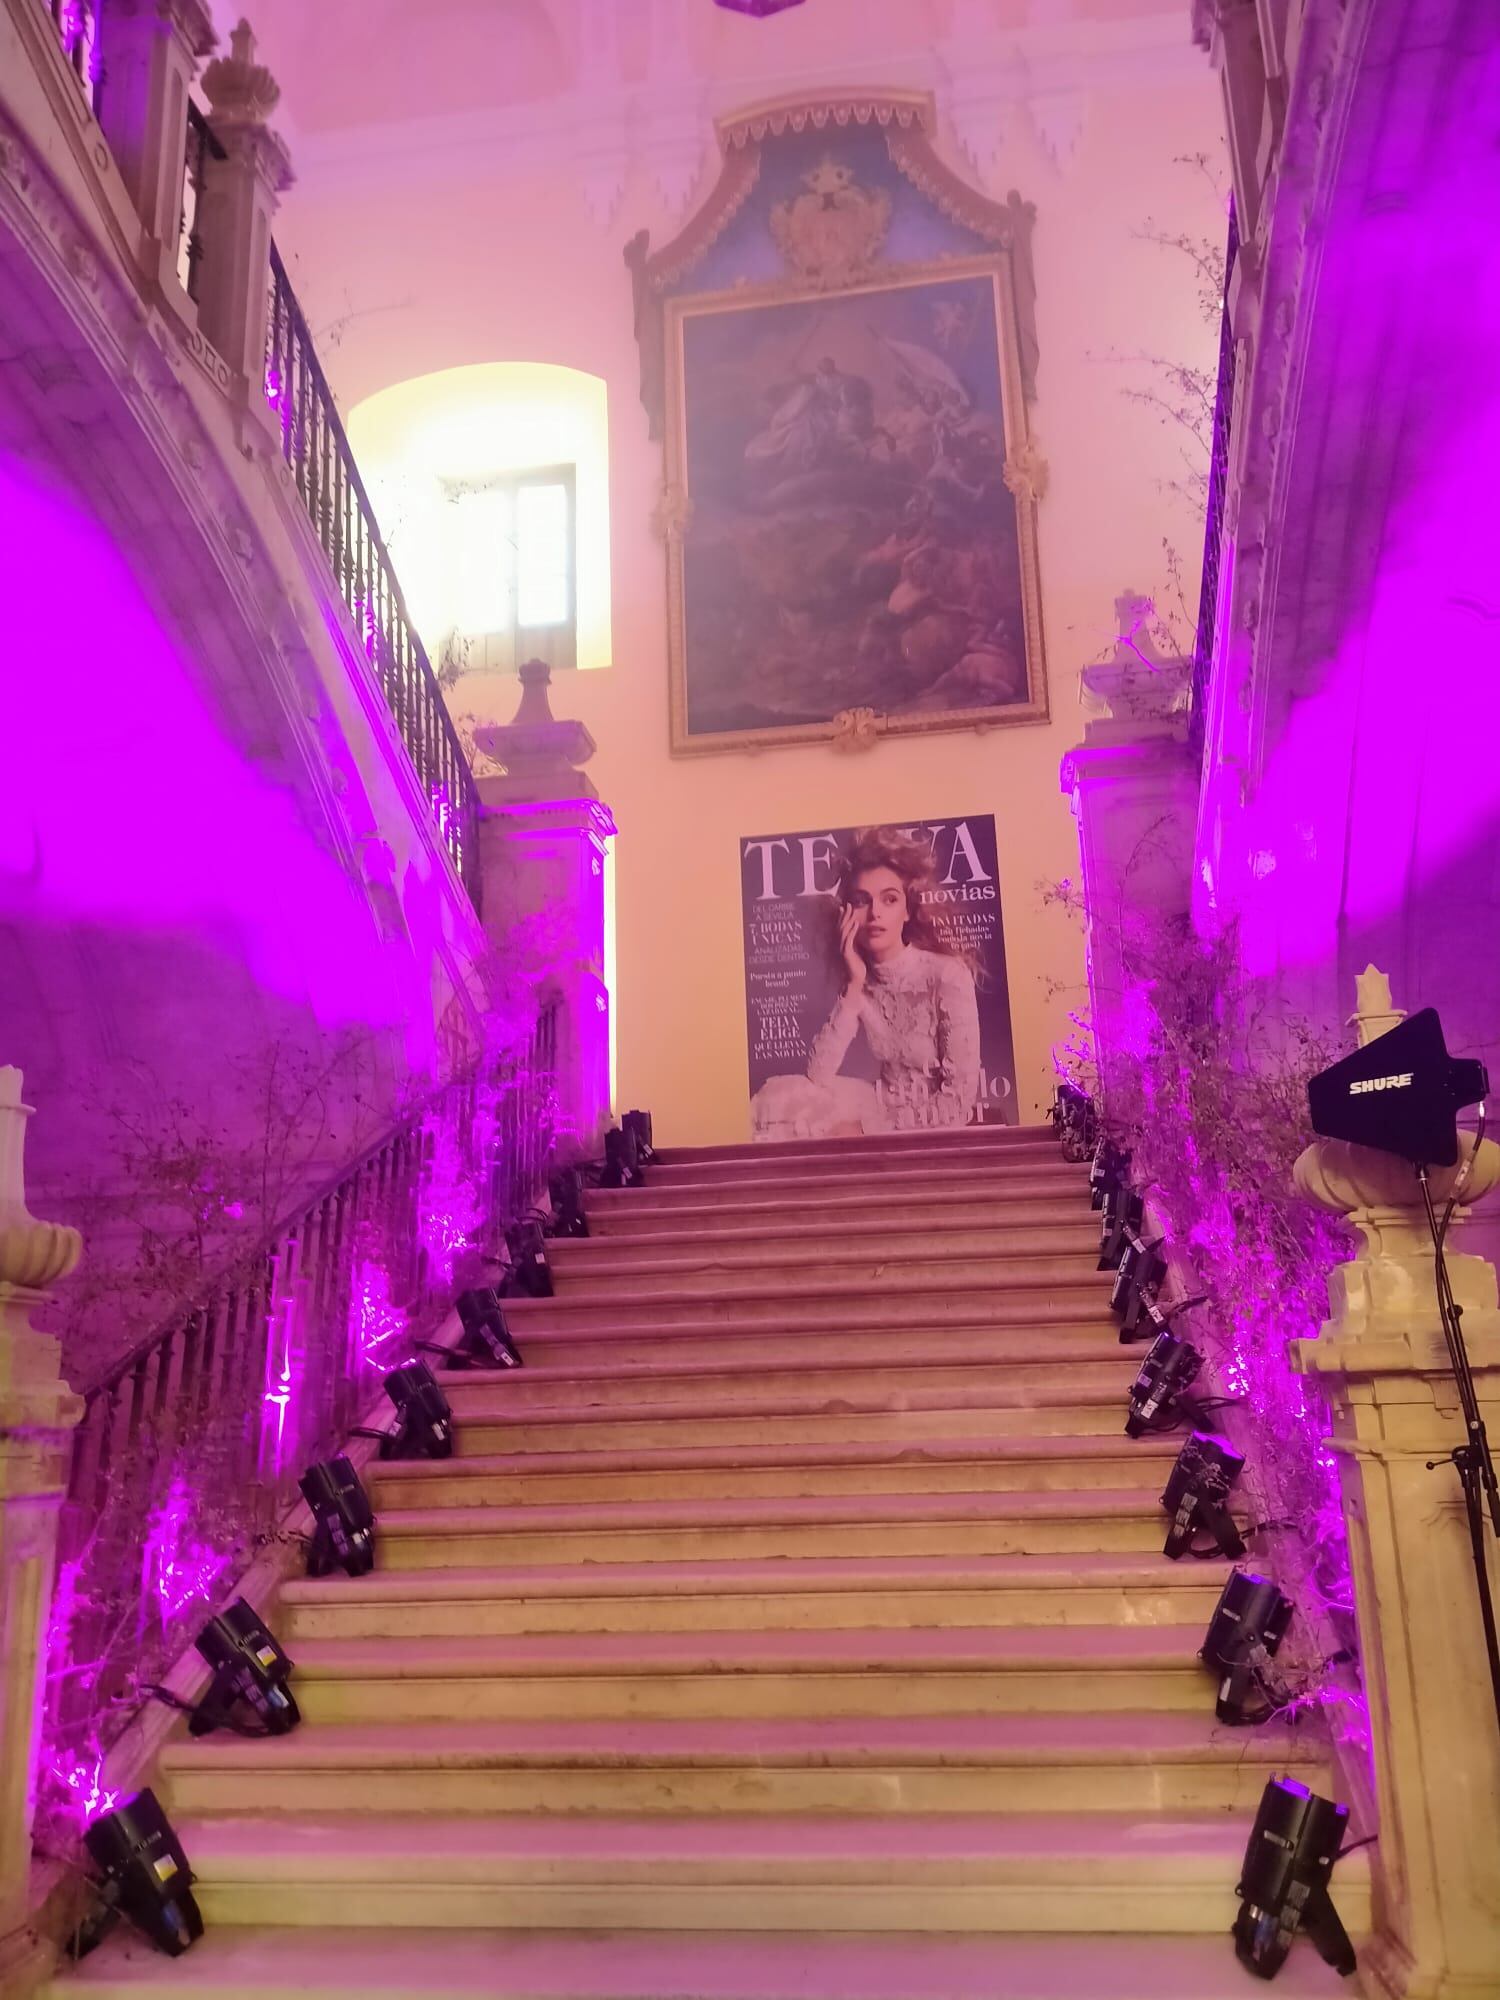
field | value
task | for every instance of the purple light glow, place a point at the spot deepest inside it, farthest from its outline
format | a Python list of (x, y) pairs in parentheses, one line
[(281, 1373), (81, 1791), (178, 1569), (380, 1327)]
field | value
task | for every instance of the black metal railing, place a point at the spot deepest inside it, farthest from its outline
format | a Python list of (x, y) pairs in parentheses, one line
[(1213, 525), (77, 25), (202, 147), (189, 1447), (315, 447)]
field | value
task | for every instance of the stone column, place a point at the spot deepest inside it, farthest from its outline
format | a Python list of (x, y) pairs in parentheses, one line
[(1134, 790), (240, 198), (543, 837), (1383, 1366), (37, 1415), (151, 51)]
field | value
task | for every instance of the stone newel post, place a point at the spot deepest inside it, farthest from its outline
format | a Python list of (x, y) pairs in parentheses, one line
[(240, 196), (151, 51), (37, 1414), (1384, 1367), (542, 846)]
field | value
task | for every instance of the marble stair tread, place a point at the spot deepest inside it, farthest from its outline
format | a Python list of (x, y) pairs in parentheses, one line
[(1119, 1738), (598, 1352), (754, 1177), (1087, 1344), (1072, 1229), (929, 1142), (772, 1279), (844, 1309), (756, 1576), (639, 1219), (949, 1649), (252, 1963), (757, 1454), (851, 1847), (790, 1511), (849, 1397)]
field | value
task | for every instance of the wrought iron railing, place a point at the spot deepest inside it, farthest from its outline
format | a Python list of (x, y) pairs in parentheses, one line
[(315, 447), (190, 1445), (1213, 525), (77, 24), (202, 147)]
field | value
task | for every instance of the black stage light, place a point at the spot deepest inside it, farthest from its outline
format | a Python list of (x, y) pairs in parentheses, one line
[(1140, 1263), (1197, 1495), (1107, 1169), (343, 1521), (568, 1217), (1164, 1377), (530, 1273), (1143, 1318), (485, 1341), (1283, 1885), (622, 1162), (424, 1422), (1124, 1210), (146, 1875), (1073, 1114), (1400, 1093), (638, 1125), (1244, 1636), (248, 1691)]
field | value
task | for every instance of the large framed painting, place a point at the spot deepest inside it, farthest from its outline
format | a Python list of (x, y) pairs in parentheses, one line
[(850, 486)]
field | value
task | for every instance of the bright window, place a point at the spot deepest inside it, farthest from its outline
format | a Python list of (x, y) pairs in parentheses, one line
[(512, 569)]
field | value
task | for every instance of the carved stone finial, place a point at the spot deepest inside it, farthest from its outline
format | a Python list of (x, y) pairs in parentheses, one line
[(240, 90), (1138, 681), (33, 1255), (536, 704), (541, 755), (1375, 1013)]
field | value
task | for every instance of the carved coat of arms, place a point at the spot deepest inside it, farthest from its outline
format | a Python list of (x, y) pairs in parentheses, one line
[(832, 234)]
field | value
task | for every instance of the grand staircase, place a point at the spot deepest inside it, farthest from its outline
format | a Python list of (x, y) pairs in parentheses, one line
[(795, 1624)]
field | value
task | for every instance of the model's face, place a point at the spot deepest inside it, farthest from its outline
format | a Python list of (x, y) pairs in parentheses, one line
[(880, 897)]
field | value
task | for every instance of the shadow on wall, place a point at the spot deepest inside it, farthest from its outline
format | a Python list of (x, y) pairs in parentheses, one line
[(211, 1010)]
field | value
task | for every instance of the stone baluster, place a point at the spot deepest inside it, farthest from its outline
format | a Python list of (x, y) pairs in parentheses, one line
[(543, 845), (37, 1415), (151, 50), (1383, 1365), (239, 202)]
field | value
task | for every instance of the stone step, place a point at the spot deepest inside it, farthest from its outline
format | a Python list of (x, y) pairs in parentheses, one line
[(1018, 1272), (636, 1217), (626, 1384), (884, 1592), (898, 1299), (1124, 1762), (333, 1963), (1055, 1410), (734, 1346), (817, 1246), (1001, 1139), (861, 1524), (775, 1675), (760, 1179), (716, 1472), (1136, 1874)]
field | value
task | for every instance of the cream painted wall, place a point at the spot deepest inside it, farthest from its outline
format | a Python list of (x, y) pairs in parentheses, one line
[(417, 270)]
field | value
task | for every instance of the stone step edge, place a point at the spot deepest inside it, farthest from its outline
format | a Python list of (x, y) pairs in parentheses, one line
[(591, 1249), (1084, 1352)]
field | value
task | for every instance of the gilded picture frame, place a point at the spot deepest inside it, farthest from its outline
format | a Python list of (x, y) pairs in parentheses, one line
[(1002, 679)]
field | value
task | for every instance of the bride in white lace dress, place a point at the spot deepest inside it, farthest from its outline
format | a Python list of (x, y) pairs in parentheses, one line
[(913, 997)]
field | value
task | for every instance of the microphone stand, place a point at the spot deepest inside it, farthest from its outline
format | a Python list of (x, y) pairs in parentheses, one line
[(1473, 1458)]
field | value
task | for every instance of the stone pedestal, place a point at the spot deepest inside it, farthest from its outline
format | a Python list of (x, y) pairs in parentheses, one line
[(1384, 1368), (37, 1415), (151, 51), (543, 845), (1134, 790), (240, 198)]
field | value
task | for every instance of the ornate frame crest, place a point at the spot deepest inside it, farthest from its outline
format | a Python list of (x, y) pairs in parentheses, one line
[(831, 238)]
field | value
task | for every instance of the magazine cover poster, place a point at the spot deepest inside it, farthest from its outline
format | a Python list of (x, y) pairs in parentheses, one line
[(875, 988)]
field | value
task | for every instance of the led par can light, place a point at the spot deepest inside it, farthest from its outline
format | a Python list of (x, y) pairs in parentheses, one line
[(424, 1421), (1107, 1169), (146, 1872), (1124, 1211), (568, 1217), (1283, 1886), (486, 1338), (250, 1673), (1196, 1497), (1244, 1636), (1134, 1269), (343, 1519), (1142, 1318), (530, 1273), (622, 1162), (1164, 1377), (638, 1125)]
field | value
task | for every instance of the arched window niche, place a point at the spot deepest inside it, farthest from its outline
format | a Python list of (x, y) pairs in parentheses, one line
[(491, 484)]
